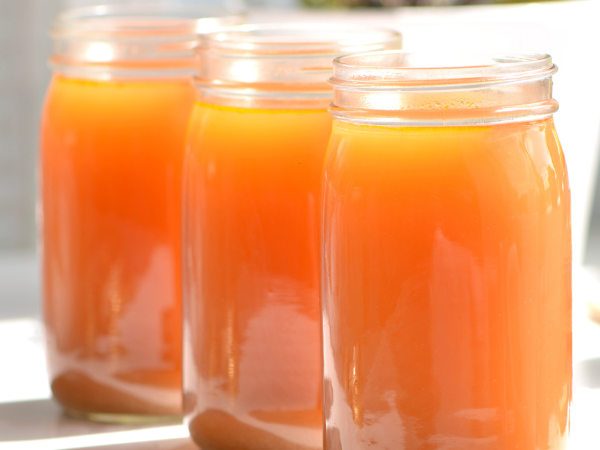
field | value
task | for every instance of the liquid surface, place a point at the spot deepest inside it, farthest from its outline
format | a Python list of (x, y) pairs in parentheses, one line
[(252, 375), (111, 165), (446, 289)]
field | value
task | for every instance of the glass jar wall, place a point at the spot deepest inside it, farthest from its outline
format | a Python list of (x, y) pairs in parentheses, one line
[(252, 181), (112, 145), (446, 255)]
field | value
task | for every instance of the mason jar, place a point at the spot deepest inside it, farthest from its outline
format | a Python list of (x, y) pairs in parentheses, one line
[(251, 202), (446, 259), (112, 144)]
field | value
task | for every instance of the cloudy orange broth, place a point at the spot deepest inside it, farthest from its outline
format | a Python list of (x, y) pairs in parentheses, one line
[(111, 191), (447, 288), (251, 277)]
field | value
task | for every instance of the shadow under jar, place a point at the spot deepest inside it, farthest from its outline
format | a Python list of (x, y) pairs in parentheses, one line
[(446, 276), (112, 145), (252, 183)]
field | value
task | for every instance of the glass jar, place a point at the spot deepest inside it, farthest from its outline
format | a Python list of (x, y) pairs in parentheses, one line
[(112, 144), (252, 178), (446, 277)]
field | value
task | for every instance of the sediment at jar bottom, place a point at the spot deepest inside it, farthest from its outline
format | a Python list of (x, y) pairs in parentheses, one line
[(82, 396), (218, 430)]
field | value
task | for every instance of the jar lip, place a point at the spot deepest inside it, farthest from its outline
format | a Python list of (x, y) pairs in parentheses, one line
[(132, 40), (398, 69), (140, 20), (290, 39)]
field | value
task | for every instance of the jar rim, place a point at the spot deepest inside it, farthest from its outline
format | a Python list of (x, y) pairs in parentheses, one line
[(289, 39), (132, 40), (400, 88), (275, 65), (399, 69), (138, 19)]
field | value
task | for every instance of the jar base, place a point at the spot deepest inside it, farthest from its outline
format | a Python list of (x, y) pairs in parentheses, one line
[(123, 419)]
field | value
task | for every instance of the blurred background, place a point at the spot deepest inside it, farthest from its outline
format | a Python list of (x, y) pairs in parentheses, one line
[(565, 29), (568, 30)]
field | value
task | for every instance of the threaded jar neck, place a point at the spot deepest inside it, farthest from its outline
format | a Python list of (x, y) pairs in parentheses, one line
[(132, 40), (280, 65), (396, 88)]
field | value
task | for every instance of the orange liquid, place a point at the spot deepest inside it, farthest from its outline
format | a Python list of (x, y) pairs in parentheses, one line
[(252, 375), (447, 288), (111, 163)]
